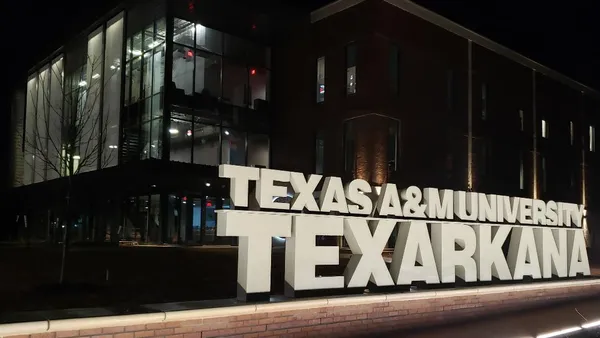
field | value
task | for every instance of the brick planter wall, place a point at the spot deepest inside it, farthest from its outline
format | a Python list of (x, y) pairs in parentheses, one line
[(344, 316)]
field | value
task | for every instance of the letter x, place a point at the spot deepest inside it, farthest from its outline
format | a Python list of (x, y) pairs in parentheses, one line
[(303, 191), (367, 262)]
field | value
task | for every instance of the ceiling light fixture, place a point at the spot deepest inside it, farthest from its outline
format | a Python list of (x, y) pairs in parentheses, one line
[(173, 131)]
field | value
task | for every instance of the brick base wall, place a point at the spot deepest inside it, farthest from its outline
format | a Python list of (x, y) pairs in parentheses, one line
[(345, 316)]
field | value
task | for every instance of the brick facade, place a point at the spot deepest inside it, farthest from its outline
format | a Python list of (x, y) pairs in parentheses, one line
[(346, 316)]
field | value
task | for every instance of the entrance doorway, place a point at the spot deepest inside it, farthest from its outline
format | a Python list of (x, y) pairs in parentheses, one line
[(193, 219)]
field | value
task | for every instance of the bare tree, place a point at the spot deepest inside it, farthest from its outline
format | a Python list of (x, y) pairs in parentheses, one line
[(68, 130)]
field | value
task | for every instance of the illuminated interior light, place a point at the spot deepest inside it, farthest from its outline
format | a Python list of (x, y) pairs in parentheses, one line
[(559, 333), (136, 52), (113, 67), (189, 132), (82, 84), (252, 71), (226, 132), (95, 76), (76, 157), (173, 131), (207, 184)]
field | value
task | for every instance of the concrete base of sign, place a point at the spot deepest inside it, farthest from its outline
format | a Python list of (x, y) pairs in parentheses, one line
[(289, 292), (330, 317), (244, 296)]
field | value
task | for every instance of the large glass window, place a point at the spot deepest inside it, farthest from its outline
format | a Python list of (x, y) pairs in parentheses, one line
[(351, 56), (30, 123), (54, 118), (209, 39), (233, 148), (41, 137), (235, 80), (207, 74), (183, 70), (209, 66), (112, 90), (143, 91), (258, 150), (206, 144), (180, 133), (321, 79)]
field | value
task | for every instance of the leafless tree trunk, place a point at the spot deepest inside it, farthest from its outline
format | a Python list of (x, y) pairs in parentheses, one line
[(70, 131)]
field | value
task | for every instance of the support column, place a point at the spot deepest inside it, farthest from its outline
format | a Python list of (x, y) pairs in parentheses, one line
[(470, 116)]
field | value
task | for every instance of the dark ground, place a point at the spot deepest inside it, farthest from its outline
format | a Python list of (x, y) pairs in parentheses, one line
[(136, 276)]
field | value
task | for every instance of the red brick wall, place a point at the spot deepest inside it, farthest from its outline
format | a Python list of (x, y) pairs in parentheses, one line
[(337, 316)]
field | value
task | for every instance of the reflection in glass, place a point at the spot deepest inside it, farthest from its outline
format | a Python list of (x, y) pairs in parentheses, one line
[(183, 69), (259, 86), (351, 69), (321, 79), (206, 144), (112, 89), (209, 39), (208, 74), (233, 149), (136, 78), (183, 32), (235, 82), (258, 150), (147, 60), (180, 133)]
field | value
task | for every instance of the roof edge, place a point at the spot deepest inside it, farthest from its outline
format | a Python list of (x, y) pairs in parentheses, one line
[(332, 8), (453, 27)]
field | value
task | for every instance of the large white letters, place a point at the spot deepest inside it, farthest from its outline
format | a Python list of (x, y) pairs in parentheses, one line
[(451, 262), (367, 262), (488, 254), (302, 255), (413, 246)]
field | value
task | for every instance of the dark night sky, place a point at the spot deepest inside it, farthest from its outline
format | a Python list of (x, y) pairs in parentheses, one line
[(557, 34)]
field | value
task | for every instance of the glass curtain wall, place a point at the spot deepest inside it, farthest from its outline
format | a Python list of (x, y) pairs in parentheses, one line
[(67, 117), (196, 140), (210, 66), (144, 92)]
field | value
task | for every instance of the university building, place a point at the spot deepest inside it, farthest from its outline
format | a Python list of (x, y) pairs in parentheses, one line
[(131, 119)]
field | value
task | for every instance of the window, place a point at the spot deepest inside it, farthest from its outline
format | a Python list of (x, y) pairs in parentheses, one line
[(319, 152), (392, 147), (112, 89), (571, 132), (484, 101), (321, 79), (207, 75), (544, 173), (544, 129), (521, 173), (394, 69), (233, 148), (183, 70), (209, 39), (180, 134), (235, 80), (259, 85), (206, 144), (592, 138), (258, 150), (522, 119), (351, 56)]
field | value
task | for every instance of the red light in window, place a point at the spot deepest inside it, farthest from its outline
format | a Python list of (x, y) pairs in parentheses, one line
[(253, 26), (190, 53), (184, 198), (209, 204), (252, 71), (189, 132), (191, 5)]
